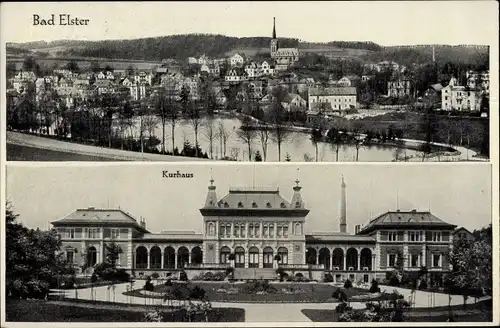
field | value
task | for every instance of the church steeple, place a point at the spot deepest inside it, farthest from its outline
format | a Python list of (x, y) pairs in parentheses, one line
[(211, 200), (274, 27)]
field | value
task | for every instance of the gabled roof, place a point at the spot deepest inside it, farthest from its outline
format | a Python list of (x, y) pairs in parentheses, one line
[(399, 219), (437, 87), (114, 217), (103, 83)]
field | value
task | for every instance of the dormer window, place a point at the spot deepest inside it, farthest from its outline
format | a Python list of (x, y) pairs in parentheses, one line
[(240, 205), (226, 205), (268, 205), (254, 205), (297, 204), (283, 205)]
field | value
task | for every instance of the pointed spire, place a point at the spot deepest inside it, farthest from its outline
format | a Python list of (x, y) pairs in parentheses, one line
[(211, 200), (274, 27)]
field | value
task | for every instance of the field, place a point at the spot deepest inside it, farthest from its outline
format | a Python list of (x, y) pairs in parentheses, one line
[(24, 153), (81, 311)]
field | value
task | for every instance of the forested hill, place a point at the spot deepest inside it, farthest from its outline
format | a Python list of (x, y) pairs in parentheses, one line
[(194, 45), (173, 46)]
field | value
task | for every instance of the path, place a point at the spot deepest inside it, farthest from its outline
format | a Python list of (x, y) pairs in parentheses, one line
[(255, 312), (28, 140)]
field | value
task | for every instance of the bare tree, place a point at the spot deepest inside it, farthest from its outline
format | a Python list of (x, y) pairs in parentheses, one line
[(316, 136), (357, 141), (247, 135), (279, 133), (335, 139), (161, 107), (196, 122), (224, 135), (210, 134), (264, 135), (150, 123)]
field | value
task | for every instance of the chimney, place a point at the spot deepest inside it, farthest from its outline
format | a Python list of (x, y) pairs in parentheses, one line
[(343, 220), (357, 228), (143, 222)]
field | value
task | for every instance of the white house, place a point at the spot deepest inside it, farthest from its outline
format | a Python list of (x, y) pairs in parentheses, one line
[(236, 60), (342, 98), (460, 98), (235, 75), (294, 101)]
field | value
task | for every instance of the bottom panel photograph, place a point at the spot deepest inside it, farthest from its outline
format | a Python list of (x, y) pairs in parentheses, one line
[(248, 243)]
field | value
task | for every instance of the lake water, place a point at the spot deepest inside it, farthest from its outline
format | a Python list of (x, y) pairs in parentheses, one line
[(297, 144)]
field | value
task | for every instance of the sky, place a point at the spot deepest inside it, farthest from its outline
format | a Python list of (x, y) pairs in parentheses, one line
[(459, 194), (385, 23)]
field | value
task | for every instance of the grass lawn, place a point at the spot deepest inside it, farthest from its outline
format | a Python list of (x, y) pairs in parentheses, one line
[(480, 312), (302, 292), (25, 153), (86, 311)]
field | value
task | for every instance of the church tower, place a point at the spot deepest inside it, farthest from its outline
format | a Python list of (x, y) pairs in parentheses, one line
[(343, 214), (211, 200), (274, 40)]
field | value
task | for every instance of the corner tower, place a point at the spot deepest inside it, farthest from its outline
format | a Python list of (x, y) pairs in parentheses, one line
[(211, 200), (274, 40)]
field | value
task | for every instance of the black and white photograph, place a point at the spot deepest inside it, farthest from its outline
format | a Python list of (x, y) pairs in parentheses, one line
[(326, 81), (249, 243)]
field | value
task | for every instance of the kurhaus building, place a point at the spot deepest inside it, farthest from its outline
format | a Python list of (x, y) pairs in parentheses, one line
[(249, 227)]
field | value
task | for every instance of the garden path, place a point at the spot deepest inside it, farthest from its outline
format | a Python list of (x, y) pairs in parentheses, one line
[(259, 312)]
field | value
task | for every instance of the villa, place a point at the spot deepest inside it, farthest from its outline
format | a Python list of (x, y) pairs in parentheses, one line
[(251, 226)]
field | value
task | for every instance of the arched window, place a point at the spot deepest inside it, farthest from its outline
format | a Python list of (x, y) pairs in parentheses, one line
[(298, 229), (226, 205), (268, 205), (240, 205), (250, 230), (283, 205), (236, 230), (211, 229), (254, 205), (297, 204)]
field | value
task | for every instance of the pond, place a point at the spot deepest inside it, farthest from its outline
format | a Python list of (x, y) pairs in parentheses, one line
[(297, 145)]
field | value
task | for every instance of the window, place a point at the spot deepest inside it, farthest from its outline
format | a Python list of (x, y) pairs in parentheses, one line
[(297, 229), (250, 230), (240, 205), (222, 230), (283, 205), (297, 204), (242, 231), (392, 236), (268, 205), (436, 236), (70, 233), (391, 260), (93, 233), (415, 260), (415, 236), (436, 260), (257, 230), (271, 230), (264, 231), (254, 205), (70, 255), (279, 231), (236, 230), (115, 233), (211, 229), (285, 231)]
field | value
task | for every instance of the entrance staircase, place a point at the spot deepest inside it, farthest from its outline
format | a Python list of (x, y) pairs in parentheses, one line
[(254, 273)]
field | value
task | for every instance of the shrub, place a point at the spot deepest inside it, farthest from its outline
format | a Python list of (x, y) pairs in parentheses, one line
[(148, 285), (219, 276), (348, 284), (208, 276), (155, 275), (197, 293), (394, 281), (374, 287), (342, 308), (423, 284), (328, 277), (93, 278), (183, 276)]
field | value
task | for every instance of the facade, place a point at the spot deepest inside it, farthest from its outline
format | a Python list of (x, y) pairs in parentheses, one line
[(236, 60), (460, 98), (342, 98), (263, 231), (398, 89)]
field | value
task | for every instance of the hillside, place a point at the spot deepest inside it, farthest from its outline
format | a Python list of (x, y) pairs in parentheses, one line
[(193, 45)]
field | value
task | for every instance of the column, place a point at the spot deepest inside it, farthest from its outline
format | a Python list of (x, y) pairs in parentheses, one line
[(405, 249), (149, 259), (261, 227), (101, 253), (130, 251), (359, 261), (175, 261), (231, 233), (189, 258), (246, 254), (345, 259), (246, 230), (424, 257)]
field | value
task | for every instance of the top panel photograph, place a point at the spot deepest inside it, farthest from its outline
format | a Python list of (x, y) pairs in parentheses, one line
[(270, 82)]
